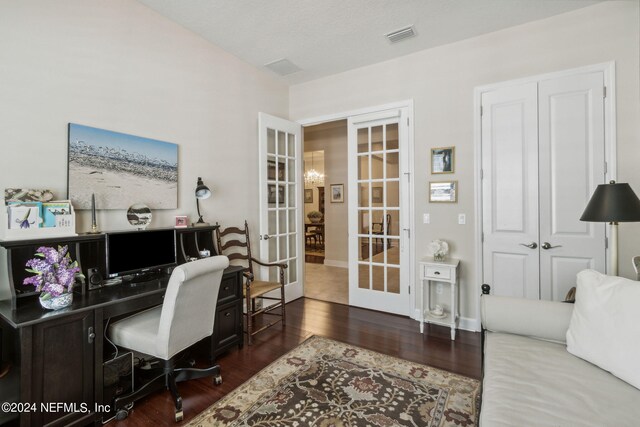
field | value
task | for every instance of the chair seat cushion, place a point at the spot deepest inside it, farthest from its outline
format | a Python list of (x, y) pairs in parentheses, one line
[(259, 288), (138, 332)]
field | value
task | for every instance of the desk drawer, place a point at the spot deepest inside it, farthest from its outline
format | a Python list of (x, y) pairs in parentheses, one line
[(228, 325), (228, 290), (437, 272)]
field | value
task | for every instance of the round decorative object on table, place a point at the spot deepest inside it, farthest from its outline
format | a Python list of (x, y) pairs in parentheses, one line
[(434, 313), (56, 303), (139, 215)]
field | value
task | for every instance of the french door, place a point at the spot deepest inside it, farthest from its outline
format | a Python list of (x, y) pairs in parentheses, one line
[(280, 169), (378, 196), (543, 154)]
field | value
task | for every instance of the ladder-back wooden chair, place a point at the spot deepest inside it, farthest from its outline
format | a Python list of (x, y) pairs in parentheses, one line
[(235, 244)]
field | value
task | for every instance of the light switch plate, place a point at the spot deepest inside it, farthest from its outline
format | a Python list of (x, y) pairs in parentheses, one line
[(462, 219), (426, 218)]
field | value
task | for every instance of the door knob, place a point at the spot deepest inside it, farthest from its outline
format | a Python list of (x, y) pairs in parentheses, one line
[(266, 237), (531, 245), (547, 245)]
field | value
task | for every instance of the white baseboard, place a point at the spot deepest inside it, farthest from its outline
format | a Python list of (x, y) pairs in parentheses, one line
[(336, 263)]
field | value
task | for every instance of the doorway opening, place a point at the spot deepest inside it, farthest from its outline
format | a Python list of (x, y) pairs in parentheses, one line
[(325, 214)]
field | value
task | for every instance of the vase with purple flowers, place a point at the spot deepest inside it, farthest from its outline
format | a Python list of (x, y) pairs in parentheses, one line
[(54, 276)]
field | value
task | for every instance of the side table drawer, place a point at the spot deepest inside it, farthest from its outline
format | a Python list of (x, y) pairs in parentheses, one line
[(431, 272)]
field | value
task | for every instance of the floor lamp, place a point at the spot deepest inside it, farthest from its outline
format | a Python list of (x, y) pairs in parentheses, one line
[(613, 203)]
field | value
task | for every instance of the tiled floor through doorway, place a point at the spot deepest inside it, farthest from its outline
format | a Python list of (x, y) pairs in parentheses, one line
[(326, 283)]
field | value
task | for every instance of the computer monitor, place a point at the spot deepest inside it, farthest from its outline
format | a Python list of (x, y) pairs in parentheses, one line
[(137, 252)]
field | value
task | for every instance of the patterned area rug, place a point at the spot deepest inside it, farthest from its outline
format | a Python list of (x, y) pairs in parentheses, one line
[(327, 383)]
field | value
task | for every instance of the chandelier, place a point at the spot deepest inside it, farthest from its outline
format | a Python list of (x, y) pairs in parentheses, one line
[(312, 176)]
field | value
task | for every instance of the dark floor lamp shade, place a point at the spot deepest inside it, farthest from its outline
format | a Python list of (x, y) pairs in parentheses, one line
[(614, 202)]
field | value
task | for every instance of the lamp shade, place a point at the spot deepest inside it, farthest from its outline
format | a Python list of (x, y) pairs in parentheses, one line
[(613, 202), (202, 191)]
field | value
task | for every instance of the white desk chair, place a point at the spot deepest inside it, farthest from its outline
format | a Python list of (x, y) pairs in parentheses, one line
[(636, 266), (185, 317)]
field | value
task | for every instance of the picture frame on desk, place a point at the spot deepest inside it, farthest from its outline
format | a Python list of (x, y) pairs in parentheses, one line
[(182, 221)]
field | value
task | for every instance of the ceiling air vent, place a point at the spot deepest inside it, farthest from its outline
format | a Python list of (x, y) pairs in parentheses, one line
[(401, 34), (283, 67)]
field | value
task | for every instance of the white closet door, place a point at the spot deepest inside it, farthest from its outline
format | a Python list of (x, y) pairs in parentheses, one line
[(571, 127), (510, 190)]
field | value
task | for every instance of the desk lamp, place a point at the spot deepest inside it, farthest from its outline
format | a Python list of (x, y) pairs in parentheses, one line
[(613, 203), (202, 192)]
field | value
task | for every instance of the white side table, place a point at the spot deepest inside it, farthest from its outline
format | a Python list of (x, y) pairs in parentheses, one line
[(446, 271)]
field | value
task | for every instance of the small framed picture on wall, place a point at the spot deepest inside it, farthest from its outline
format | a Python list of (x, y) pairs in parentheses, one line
[(443, 160), (337, 193), (376, 194), (308, 195), (443, 192)]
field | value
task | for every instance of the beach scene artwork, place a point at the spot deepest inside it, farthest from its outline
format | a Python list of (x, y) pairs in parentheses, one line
[(121, 170)]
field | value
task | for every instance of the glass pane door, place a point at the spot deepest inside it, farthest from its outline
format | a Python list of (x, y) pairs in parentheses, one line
[(376, 250), (280, 199)]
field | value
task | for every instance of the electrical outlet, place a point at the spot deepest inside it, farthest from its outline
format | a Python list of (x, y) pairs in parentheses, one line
[(462, 219), (439, 288), (426, 218)]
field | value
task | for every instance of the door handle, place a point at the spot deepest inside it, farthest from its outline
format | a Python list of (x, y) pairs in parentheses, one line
[(531, 245), (265, 237), (547, 245)]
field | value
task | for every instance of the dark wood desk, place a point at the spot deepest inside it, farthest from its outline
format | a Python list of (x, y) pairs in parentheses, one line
[(57, 356)]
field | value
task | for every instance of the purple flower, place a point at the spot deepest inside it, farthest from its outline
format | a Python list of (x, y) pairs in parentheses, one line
[(51, 255), (54, 271)]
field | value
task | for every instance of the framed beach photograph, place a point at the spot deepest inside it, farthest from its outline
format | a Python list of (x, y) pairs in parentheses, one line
[(120, 169), (443, 160), (308, 195), (443, 192), (271, 197), (376, 194), (337, 193)]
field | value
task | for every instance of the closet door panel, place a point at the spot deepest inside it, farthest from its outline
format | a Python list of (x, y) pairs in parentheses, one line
[(572, 150), (510, 190)]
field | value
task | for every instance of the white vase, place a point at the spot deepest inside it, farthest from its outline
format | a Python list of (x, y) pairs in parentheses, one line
[(56, 303)]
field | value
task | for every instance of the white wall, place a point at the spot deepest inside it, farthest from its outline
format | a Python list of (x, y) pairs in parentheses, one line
[(441, 83), (120, 66)]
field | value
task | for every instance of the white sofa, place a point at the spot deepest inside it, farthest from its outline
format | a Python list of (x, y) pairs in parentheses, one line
[(530, 379)]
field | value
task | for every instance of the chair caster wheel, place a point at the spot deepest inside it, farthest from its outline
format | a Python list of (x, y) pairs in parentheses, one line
[(179, 415), (217, 380), (122, 414)]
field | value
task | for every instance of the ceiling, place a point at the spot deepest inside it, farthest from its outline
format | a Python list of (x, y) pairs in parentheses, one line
[(324, 37)]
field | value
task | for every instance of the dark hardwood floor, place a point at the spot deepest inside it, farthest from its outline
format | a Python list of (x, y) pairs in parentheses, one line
[(389, 334)]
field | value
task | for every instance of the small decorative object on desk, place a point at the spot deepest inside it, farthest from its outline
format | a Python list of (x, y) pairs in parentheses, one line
[(139, 215), (182, 221), (94, 223), (55, 274), (439, 249)]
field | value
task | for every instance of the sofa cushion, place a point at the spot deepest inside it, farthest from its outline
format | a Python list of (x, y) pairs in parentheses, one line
[(533, 382), (605, 324)]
